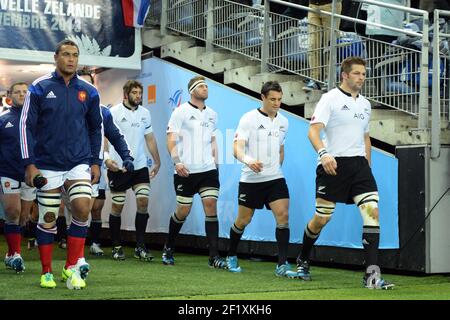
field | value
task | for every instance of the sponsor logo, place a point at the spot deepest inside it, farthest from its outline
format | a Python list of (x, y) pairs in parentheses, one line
[(192, 118), (261, 127), (82, 96), (123, 120), (9, 125), (358, 116), (175, 99), (180, 187), (51, 95), (242, 197), (320, 190), (345, 107)]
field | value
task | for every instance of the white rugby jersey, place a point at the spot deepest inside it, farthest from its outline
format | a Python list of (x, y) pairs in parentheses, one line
[(195, 129), (134, 125), (346, 121), (263, 138)]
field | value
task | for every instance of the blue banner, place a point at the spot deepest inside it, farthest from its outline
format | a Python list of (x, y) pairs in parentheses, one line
[(165, 88), (30, 30)]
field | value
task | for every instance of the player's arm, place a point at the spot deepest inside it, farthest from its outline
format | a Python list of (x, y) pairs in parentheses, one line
[(281, 154), (215, 151), (27, 129), (328, 162), (95, 127), (180, 168), (115, 136), (368, 146), (239, 153), (153, 149)]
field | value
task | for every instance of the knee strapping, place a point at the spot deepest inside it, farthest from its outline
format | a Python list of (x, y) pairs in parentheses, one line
[(80, 189), (185, 201), (48, 204), (325, 210), (175, 218), (283, 226), (118, 198), (142, 191), (368, 206), (209, 192)]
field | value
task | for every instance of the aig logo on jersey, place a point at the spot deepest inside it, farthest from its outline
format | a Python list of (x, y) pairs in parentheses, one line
[(359, 116), (82, 95)]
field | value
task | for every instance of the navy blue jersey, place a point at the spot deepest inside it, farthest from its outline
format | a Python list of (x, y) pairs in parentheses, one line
[(10, 159), (115, 136), (61, 125)]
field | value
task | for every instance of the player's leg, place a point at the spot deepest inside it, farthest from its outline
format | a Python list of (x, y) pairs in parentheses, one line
[(142, 192), (209, 192), (96, 222), (119, 182), (185, 188), (10, 198)]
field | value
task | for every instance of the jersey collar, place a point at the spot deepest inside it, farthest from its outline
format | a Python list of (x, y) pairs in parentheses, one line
[(265, 114), (59, 77), (196, 107), (347, 93), (129, 107)]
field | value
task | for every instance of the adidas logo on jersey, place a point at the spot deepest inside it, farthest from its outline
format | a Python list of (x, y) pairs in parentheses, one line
[(192, 118), (261, 127), (345, 107), (50, 95), (123, 120), (9, 125)]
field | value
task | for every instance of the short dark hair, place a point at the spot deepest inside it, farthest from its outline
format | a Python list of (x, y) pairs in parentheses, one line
[(85, 72), (194, 80), (348, 63), (270, 86), (66, 42), (16, 84), (130, 84)]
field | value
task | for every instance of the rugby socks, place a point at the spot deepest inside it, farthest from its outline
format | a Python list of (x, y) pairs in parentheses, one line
[(45, 238), (76, 237), (212, 233), (371, 240), (235, 237), (175, 225), (94, 230), (13, 235), (114, 227), (140, 224), (309, 238), (61, 227), (282, 235)]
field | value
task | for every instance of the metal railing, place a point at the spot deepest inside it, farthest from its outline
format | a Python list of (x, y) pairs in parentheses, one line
[(440, 80), (397, 76)]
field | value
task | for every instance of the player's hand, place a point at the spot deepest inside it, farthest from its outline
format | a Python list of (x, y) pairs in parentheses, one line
[(154, 170), (255, 165), (112, 165), (329, 164), (30, 173), (127, 166), (95, 173), (181, 170)]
